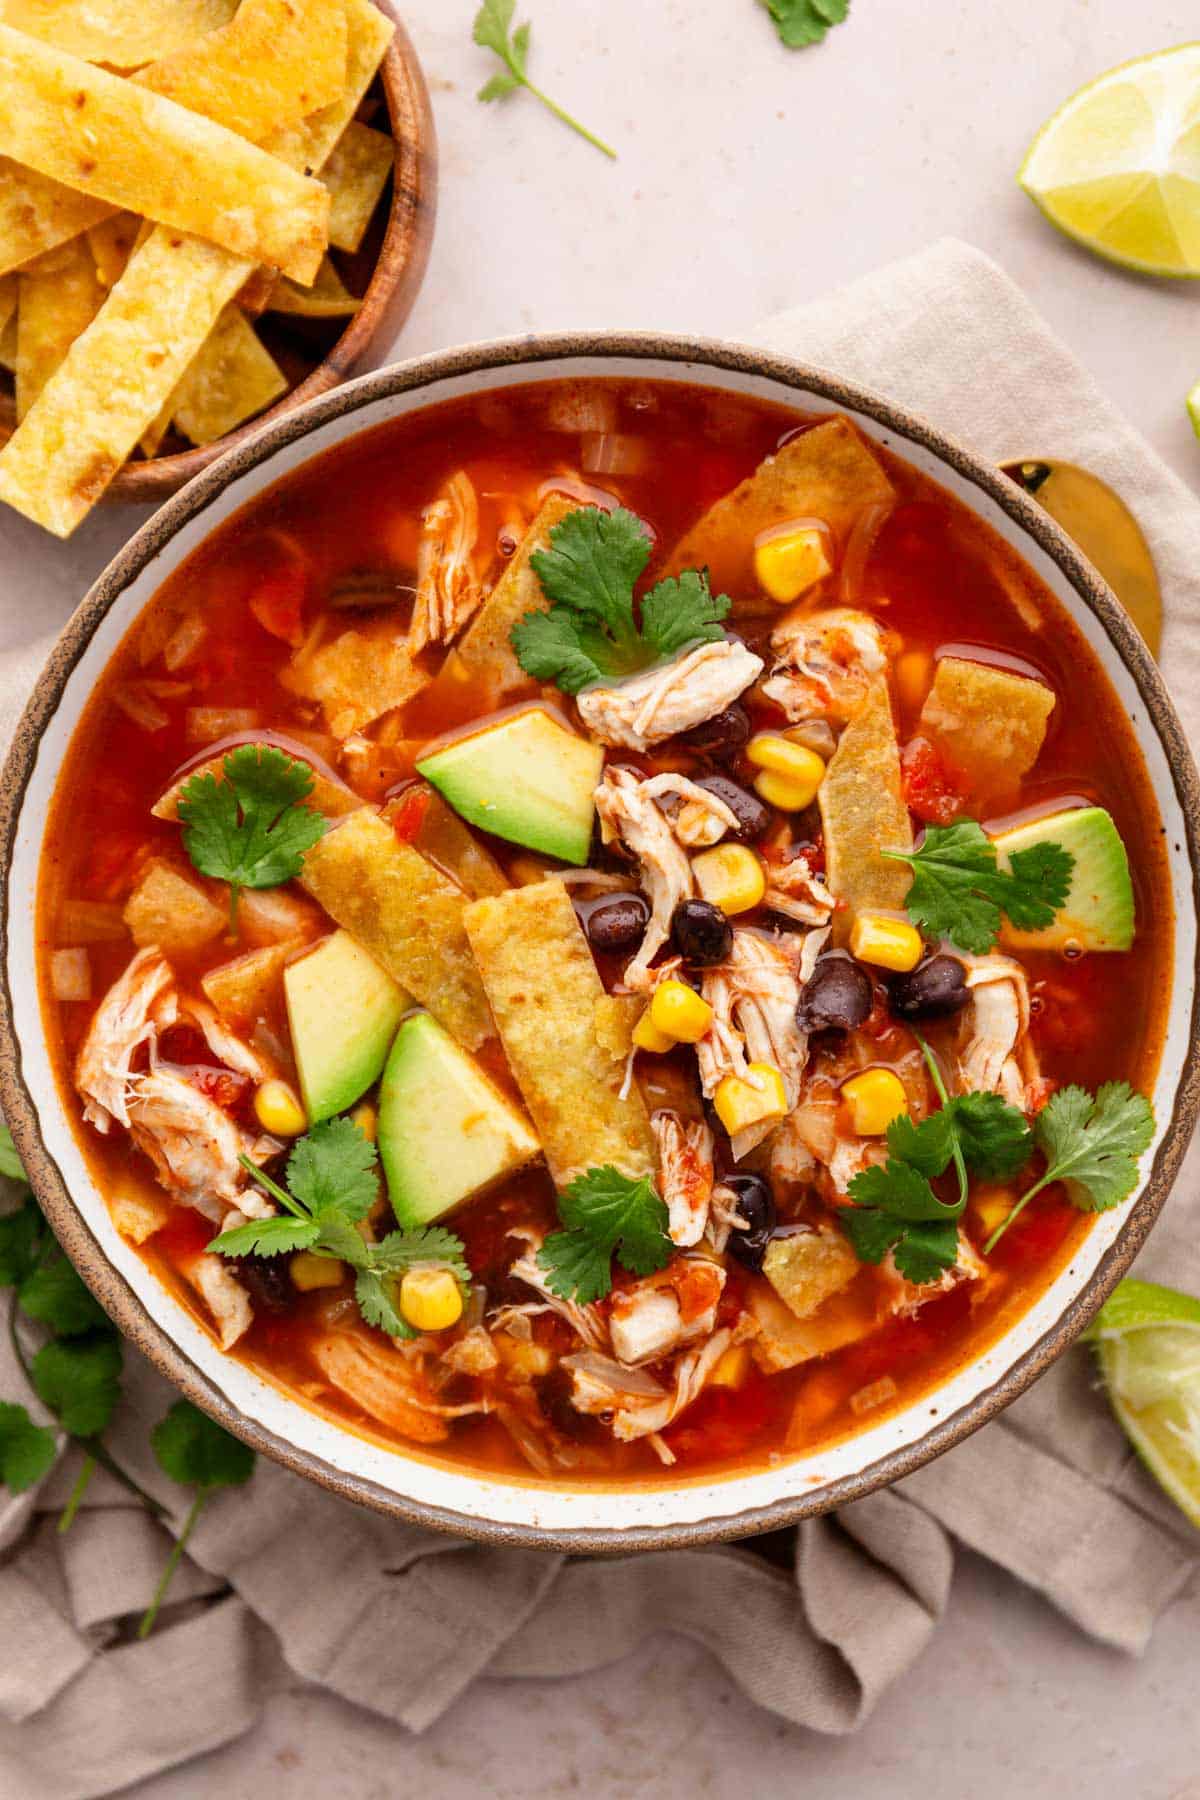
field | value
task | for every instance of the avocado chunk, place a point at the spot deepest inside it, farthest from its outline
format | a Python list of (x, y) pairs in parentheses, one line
[(526, 778), (1098, 912), (446, 1132), (343, 1010)]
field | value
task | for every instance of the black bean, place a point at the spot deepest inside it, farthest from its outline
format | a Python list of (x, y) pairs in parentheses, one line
[(838, 996), (722, 736), (936, 989), (617, 924), (267, 1278), (754, 819), (756, 1204), (701, 933)]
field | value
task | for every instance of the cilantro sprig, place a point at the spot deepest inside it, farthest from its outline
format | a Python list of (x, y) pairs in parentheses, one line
[(1093, 1143), (196, 1452), (959, 891), (802, 22), (591, 632), (250, 828), (332, 1184), (895, 1207), (493, 31), (606, 1214)]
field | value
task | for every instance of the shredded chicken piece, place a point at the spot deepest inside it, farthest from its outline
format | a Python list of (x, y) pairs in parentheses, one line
[(825, 662), (754, 994), (387, 1385), (663, 702), (685, 1165), (698, 819), (140, 1003), (224, 1296), (639, 1405), (723, 1219), (448, 589), (587, 1322), (630, 814), (794, 890), (995, 1056), (661, 1313), (904, 1298), (195, 1146)]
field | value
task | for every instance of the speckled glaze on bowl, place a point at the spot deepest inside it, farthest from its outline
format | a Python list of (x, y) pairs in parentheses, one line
[(407, 1484)]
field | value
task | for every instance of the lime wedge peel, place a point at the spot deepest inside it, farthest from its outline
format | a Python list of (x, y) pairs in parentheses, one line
[(1117, 167), (1147, 1339), (1193, 406)]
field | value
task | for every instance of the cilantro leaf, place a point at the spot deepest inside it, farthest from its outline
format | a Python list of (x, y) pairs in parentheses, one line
[(605, 1214), (333, 1168), (22, 1235), (26, 1450), (249, 828), (431, 1247), (80, 1380), (55, 1295), (994, 1137), (1093, 1143), (872, 1232), (196, 1452), (10, 1163), (591, 632), (493, 25), (959, 892), (266, 1237), (927, 1250), (901, 1191), (803, 22), (926, 1147), (373, 1291)]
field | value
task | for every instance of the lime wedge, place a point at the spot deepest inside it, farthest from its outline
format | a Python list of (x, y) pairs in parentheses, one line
[(1118, 167), (1193, 406), (1148, 1342)]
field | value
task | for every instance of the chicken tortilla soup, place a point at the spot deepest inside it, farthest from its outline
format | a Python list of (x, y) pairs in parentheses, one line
[(618, 929)]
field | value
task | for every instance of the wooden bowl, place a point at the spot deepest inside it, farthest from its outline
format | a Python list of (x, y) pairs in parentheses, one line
[(397, 240)]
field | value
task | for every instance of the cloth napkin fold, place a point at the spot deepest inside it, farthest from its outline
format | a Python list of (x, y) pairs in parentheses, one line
[(315, 1590)]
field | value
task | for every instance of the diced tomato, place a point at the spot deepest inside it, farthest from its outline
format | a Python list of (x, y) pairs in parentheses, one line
[(930, 789), (277, 602), (408, 812)]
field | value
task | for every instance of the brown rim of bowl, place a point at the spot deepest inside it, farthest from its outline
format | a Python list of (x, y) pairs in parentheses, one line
[(694, 356), (395, 279)]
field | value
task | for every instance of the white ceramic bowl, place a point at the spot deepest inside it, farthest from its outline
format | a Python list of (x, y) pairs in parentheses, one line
[(403, 1482)]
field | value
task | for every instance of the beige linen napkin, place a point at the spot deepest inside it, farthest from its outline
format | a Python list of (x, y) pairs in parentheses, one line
[(322, 1592)]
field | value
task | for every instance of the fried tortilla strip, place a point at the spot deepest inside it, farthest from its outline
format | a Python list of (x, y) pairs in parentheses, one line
[(863, 811), (332, 798), (357, 678), (122, 33), (250, 987), (988, 724), (233, 377), (406, 914), (828, 474), (171, 912), (8, 345), (37, 214), (8, 301), (484, 653), (59, 298), (310, 144), (112, 244), (327, 298), (120, 143), (356, 174), (546, 998), (784, 1341)]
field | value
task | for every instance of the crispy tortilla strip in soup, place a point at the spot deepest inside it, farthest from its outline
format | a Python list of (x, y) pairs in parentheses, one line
[(333, 798), (827, 474), (247, 988), (485, 654), (988, 724), (863, 811), (406, 914), (545, 992), (358, 677)]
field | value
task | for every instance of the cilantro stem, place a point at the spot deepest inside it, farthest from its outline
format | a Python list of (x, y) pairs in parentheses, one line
[(173, 1562), (82, 1483), (1017, 1210), (14, 1338), (566, 118), (100, 1454), (935, 1075), (273, 1188)]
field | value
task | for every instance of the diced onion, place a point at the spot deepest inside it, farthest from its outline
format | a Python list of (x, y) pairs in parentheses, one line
[(71, 975), (612, 453), (206, 724), (184, 641), (581, 408), (859, 545), (878, 1393)]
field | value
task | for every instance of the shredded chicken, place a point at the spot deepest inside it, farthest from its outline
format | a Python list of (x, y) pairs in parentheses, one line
[(663, 702), (904, 1298), (387, 1385), (995, 1056), (825, 662), (698, 819), (448, 589), (685, 1167), (195, 1146), (224, 1296), (754, 994), (630, 814), (639, 1405), (723, 1219), (587, 1322), (140, 1003), (796, 892), (661, 1313)]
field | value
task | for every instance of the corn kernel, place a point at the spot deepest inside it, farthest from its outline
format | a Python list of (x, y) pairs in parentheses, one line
[(367, 1119), (791, 773), (278, 1110), (740, 1104), (678, 1012), (647, 1036), (308, 1271), (732, 1368), (914, 672), (791, 561), (875, 1098), (888, 943), (731, 877), (431, 1299), (992, 1209)]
